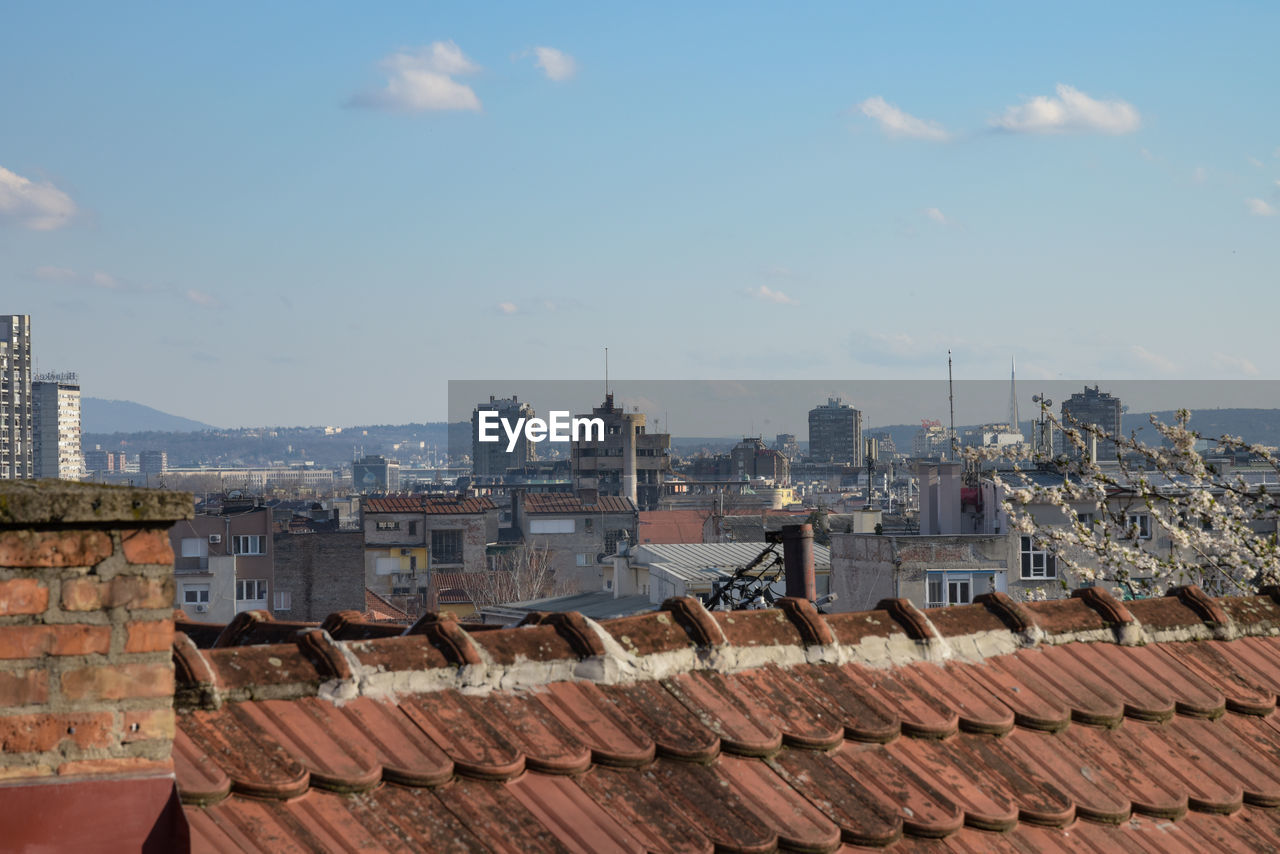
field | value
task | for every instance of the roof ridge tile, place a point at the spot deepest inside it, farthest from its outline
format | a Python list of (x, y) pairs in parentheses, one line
[(692, 616)]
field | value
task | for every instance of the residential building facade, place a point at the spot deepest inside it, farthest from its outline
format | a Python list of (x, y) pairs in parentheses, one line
[(835, 433), (224, 561), (409, 537), (16, 445), (580, 538), (55, 426)]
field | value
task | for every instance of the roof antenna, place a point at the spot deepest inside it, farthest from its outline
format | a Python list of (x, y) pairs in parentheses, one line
[(606, 372), (951, 400)]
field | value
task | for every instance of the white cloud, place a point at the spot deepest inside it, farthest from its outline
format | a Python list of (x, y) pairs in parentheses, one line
[(1233, 364), (104, 280), (1152, 360), (41, 207), (1200, 175), (50, 273), (770, 295), (895, 122), (1146, 154), (1255, 162), (1258, 207), (936, 215), (203, 299), (507, 308), (556, 64), (1071, 110), (424, 80)]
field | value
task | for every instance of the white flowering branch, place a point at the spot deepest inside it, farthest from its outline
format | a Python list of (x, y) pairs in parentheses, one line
[(1152, 518)]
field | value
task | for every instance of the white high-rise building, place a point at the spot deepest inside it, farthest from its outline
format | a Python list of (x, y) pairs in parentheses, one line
[(55, 402), (15, 397)]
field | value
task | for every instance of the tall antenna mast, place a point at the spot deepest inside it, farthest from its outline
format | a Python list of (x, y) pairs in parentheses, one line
[(1013, 398), (951, 400), (606, 372)]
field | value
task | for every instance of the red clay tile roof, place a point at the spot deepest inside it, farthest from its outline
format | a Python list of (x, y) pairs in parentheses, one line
[(424, 504), (1081, 724), (670, 526), (564, 502), (451, 588), (379, 610)]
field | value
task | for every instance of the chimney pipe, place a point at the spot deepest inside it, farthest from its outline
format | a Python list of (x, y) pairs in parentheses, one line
[(797, 559)]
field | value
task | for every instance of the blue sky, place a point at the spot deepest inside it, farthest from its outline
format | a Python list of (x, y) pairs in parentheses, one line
[(320, 213)]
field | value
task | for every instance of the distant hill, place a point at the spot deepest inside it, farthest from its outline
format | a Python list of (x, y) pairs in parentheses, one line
[(123, 416)]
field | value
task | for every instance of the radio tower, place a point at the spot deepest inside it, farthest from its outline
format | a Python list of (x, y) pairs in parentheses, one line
[(1013, 400)]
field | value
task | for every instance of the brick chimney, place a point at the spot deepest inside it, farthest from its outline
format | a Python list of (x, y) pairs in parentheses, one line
[(86, 668)]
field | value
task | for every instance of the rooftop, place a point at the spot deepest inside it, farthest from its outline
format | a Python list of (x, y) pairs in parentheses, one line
[(564, 502), (1074, 724), (433, 505)]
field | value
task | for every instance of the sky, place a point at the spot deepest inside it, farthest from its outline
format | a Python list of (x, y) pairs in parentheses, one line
[(304, 214)]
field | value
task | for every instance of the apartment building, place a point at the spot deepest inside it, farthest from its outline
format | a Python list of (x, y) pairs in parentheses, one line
[(408, 537), (580, 537), (16, 444), (224, 561), (55, 426)]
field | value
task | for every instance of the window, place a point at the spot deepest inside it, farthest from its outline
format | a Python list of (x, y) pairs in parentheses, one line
[(1139, 523), (446, 546), (195, 547), (551, 526), (413, 529), (413, 563), (588, 524), (195, 594), (1086, 519), (386, 565), (586, 559), (949, 588), (612, 538), (387, 526), (251, 589), (1037, 563), (284, 600), (249, 544)]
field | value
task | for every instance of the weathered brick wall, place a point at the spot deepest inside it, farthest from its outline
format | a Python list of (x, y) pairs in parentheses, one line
[(86, 628), (322, 572)]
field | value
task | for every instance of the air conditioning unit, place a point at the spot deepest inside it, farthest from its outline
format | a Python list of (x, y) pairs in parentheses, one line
[(215, 538), (201, 608), (405, 551)]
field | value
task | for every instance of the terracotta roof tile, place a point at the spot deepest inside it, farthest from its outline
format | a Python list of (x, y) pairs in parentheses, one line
[(566, 502), (431, 505), (379, 610), (1055, 726), (670, 526)]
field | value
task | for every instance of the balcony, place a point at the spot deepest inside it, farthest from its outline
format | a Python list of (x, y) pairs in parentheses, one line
[(190, 564)]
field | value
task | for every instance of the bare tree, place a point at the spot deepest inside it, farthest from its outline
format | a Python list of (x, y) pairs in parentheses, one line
[(519, 575)]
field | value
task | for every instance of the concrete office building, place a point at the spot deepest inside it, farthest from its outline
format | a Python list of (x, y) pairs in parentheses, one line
[(835, 433), (16, 444), (375, 473), (629, 462), (55, 426), (1097, 408), (153, 462), (492, 459)]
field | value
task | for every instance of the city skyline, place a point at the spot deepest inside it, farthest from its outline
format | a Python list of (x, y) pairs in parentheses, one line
[(256, 207)]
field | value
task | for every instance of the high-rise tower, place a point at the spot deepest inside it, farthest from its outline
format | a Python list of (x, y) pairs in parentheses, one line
[(15, 397)]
